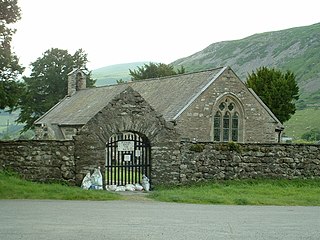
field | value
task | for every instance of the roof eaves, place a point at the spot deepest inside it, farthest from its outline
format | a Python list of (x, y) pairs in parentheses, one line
[(199, 93)]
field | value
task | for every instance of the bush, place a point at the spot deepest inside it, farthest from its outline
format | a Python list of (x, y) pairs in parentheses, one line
[(312, 135), (233, 146), (197, 147)]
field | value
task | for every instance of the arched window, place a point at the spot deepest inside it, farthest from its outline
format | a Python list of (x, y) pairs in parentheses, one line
[(235, 127), (226, 121), (226, 126), (217, 126)]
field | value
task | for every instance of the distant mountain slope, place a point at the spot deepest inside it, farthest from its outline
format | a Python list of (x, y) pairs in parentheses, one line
[(295, 49), (110, 74)]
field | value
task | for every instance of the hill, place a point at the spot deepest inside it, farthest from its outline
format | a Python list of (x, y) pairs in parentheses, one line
[(301, 122), (296, 49), (8, 126), (110, 74)]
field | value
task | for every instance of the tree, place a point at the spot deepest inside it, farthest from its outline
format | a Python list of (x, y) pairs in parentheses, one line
[(277, 90), (154, 70), (48, 82), (10, 70)]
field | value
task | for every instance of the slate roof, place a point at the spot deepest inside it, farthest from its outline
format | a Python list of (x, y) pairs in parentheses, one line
[(169, 96)]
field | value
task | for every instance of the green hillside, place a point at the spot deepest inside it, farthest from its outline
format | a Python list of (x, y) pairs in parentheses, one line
[(110, 74), (301, 122), (8, 126), (295, 49)]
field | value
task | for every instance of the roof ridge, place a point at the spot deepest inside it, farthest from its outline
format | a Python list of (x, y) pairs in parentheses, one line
[(159, 78), (222, 69), (181, 74)]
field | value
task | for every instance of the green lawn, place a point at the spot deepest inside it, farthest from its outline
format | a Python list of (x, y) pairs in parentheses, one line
[(245, 192), (236, 192), (13, 187)]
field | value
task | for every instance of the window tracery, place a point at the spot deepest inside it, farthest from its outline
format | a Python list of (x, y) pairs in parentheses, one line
[(226, 121)]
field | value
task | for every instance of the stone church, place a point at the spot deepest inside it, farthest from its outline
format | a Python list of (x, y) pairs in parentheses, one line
[(212, 105), (135, 130)]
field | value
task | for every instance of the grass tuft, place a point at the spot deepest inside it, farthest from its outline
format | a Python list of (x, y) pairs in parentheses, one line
[(13, 187), (296, 192)]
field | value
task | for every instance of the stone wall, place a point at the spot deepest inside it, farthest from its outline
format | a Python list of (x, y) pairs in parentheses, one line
[(172, 162), (42, 161), (166, 161), (214, 161)]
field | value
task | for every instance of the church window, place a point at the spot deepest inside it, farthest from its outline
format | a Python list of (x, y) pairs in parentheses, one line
[(217, 126), (226, 126), (226, 122), (222, 106), (231, 106), (235, 127)]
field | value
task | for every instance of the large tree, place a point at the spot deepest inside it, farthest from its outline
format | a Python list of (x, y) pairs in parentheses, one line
[(278, 90), (48, 82), (154, 70), (10, 70)]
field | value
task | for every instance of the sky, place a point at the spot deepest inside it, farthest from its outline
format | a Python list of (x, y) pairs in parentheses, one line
[(123, 31)]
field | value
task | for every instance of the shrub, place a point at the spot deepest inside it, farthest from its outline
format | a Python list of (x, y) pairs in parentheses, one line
[(312, 135), (234, 147), (197, 147)]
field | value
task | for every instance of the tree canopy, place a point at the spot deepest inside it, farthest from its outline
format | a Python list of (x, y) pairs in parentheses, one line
[(48, 82), (10, 70), (277, 90), (312, 135), (154, 70)]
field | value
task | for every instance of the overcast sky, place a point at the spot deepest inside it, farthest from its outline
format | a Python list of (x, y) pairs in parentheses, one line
[(123, 31)]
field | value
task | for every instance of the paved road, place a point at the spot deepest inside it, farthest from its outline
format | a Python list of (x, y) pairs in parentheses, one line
[(67, 220)]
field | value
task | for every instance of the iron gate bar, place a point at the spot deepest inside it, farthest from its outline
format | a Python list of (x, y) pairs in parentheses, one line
[(121, 171)]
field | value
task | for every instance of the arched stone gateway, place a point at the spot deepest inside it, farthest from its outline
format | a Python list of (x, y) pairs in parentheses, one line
[(128, 158), (117, 134)]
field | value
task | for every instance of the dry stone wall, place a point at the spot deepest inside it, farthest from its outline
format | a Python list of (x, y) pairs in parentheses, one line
[(166, 161), (183, 163), (210, 161), (42, 161), (173, 163)]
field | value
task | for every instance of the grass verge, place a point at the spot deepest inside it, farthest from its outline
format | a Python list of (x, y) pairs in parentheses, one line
[(245, 192), (296, 192), (13, 187)]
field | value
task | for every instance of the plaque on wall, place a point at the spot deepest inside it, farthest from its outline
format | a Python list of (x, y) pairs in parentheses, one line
[(125, 146), (138, 153), (127, 158)]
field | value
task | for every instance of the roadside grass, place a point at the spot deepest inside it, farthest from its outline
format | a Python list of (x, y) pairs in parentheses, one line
[(13, 187), (296, 192)]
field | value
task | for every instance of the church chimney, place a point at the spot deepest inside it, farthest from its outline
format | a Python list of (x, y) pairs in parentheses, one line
[(76, 81)]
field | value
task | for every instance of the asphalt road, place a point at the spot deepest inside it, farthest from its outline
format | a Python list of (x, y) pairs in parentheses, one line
[(67, 220)]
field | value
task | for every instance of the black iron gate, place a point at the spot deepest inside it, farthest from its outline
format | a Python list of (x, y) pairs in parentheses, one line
[(127, 159)]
